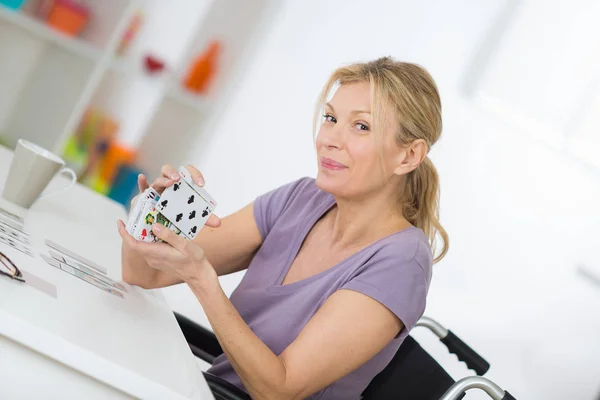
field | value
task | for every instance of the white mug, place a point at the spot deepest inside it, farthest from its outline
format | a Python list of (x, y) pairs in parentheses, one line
[(32, 168)]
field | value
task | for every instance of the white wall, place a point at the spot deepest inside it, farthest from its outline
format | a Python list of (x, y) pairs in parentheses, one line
[(520, 216)]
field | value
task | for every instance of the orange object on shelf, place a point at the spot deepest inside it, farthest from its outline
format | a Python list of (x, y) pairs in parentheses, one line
[(115, 156), (68, 17), (203, 69)]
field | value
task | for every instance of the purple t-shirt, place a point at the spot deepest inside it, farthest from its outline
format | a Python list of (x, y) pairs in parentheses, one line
[(395, 270)]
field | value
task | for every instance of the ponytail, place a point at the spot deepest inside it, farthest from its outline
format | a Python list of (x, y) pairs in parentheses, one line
[(421, 205)]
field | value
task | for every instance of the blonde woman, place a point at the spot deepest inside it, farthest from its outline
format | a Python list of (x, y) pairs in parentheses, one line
[(338, 267)]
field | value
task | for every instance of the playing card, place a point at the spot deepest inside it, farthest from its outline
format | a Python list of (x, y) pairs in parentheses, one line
[(16, 245), (14, 217), (186, 205), (149, 196), (74, 256), (184, 173), (91, 280), (14, 234), (143, 227)]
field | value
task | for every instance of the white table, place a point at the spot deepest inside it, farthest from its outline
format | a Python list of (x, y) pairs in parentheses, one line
[(86, 343)]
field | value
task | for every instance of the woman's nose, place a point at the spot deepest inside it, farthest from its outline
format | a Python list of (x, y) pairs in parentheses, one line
[(333, 138)]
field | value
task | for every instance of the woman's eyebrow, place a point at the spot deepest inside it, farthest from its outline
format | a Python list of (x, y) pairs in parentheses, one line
[(353, 112)]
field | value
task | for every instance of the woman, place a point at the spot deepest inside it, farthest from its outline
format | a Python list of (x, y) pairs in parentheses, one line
[(338, 267)]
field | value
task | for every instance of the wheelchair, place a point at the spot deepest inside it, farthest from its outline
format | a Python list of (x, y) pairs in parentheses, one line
[(411, 374)]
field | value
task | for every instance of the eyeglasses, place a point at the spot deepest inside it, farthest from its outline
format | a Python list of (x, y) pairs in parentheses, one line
[(9, 269)]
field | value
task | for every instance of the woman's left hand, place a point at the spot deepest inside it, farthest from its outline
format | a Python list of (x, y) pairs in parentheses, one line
[(177, 256)]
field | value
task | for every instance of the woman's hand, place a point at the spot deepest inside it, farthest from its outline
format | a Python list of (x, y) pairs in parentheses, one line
[(135, 268), (178, 256)]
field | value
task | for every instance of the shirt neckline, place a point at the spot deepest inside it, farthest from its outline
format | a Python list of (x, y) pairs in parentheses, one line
[(300, 237)]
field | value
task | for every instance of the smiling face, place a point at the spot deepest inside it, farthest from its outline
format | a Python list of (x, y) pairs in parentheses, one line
[(350, 154)]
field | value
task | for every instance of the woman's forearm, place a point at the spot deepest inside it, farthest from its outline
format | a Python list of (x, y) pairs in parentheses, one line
[(260, 370)]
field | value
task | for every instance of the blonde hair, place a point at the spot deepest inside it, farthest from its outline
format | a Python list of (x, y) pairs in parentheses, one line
[(413, 94)]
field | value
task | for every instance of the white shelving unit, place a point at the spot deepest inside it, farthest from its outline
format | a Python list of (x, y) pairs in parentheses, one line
[(184, 120), (46, 77), (186, 99), (46, 33), (48, 80)]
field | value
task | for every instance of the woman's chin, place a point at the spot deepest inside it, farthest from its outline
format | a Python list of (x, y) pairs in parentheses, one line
[(327, 183)]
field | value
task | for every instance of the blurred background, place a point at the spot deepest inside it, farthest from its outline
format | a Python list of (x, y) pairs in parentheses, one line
[(123, 86)]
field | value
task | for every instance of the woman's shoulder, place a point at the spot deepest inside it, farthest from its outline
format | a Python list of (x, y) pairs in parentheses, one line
[(407, 247)]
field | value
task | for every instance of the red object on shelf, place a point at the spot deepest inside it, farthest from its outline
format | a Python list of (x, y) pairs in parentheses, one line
[(153, 64), (68, 16), (203, 69)]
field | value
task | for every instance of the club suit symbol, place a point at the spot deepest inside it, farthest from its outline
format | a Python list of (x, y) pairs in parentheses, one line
[(178, 217), (193, 214), (205, 212), (191, 199)]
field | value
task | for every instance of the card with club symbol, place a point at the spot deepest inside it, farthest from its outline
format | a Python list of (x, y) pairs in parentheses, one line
[(186, 205)]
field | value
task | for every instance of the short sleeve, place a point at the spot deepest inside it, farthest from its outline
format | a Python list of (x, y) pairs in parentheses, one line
[(271, 205), (400, 285)]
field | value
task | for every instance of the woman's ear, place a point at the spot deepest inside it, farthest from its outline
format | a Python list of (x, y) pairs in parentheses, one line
[(411, 156)]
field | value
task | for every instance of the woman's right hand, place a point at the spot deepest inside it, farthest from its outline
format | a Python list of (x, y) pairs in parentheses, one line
[(135, 269)]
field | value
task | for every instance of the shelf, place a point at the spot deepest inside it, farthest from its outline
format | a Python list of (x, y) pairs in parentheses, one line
[(194, 101), (47, 33)]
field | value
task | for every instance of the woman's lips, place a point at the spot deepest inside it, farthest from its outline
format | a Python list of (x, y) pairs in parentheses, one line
[(331, 164)]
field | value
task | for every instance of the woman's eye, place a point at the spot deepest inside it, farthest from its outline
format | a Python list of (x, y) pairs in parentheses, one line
[(329, 118), (362, 126)]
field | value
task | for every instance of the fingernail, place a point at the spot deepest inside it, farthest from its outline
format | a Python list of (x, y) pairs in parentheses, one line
[(200, 181), (174, 176), (157, 228)]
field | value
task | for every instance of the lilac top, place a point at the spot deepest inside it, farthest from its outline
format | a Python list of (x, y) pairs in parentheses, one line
[(395, 270)]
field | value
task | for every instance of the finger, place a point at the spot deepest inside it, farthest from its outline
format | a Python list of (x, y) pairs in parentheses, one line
[(142, 182), (167, 235), (196, 175), (213, 221), (127, 238), (161, 183), (169, 172)]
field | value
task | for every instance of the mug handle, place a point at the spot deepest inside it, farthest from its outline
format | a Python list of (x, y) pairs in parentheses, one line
[(68, 186)]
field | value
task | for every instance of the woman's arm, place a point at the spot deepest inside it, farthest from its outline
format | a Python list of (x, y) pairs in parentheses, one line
[(334, 342)]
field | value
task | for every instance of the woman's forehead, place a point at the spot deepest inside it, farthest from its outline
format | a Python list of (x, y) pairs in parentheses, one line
[(350, 97)]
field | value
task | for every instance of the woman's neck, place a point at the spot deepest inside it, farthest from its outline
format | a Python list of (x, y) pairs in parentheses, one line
[(355, 223)]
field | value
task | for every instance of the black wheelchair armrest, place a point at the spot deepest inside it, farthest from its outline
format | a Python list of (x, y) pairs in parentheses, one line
[(224, 390), (202, 341), (456, 346)]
